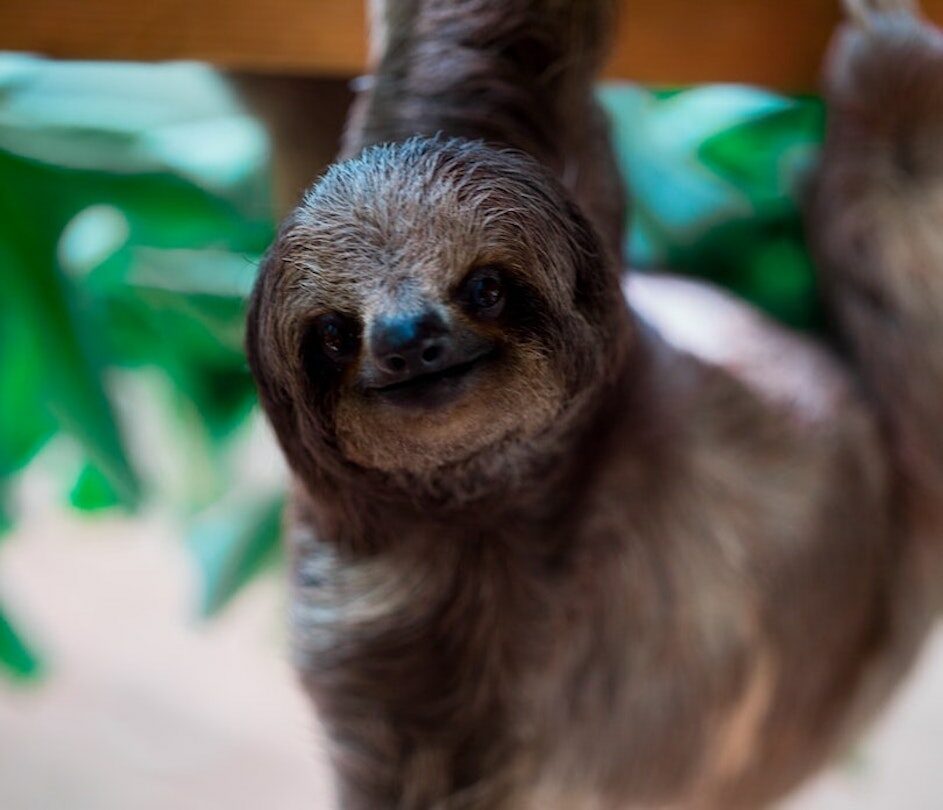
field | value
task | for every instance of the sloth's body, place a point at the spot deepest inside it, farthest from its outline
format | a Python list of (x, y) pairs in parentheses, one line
[(563, 545), (681, 612)]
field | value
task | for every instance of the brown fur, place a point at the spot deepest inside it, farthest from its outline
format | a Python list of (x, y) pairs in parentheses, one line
[(656, 555), (513, 73), (877, 210)]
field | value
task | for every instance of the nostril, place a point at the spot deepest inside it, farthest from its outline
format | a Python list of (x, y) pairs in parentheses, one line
[(431, 353), (396, 363)]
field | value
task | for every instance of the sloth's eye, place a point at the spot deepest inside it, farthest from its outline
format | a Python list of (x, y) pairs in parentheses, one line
[(483, 292), (338, 335)]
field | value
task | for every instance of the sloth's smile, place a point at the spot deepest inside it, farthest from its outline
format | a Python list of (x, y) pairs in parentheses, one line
[(433, 389)]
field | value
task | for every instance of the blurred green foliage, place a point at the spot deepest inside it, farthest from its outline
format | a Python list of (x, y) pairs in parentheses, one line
[(18, 660), (134, 204), (716, 175)]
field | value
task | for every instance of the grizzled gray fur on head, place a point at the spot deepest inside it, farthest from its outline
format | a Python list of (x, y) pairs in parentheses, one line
[(398, 227)]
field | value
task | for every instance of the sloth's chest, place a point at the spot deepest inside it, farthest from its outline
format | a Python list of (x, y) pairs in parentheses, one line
[(630, 670), (419, 637), (511, 674), (417, 672)]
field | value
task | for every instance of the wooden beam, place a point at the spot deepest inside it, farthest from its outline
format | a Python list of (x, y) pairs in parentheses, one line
[(323, 37), (666, 42), (766, 42)]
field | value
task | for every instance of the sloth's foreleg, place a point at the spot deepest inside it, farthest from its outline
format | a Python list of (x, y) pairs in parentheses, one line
[(518, 73), (876, 223)]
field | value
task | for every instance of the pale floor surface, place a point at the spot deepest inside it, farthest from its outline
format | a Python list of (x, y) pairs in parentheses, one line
[(146, 708)]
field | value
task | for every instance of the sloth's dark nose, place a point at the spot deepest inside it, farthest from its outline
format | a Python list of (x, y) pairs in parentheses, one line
[(408, 345)]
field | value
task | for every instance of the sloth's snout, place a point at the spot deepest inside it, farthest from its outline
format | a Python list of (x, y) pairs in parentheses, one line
[(421, 360), (406, 346)]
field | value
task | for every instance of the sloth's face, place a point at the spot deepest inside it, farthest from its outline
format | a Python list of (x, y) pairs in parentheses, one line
[(421, 305)]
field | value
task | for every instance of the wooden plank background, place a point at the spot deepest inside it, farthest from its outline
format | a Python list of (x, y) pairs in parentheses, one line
[(778, 43)]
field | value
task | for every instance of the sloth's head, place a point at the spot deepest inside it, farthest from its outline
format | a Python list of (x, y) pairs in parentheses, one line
[(427, 302)]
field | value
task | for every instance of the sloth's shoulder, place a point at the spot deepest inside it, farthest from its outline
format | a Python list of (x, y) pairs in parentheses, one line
[(787, 371)]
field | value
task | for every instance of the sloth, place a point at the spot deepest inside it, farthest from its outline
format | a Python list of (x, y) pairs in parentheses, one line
[(571, 539)]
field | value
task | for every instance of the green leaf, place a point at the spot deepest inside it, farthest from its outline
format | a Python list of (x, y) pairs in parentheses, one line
[(178, 118), (170, 145), (92, 491), (66, 343), (768, 157), (25, 421), (133, 200), (658, 141), (6, 519), (16, 658), (784, 282), (713, 173), (232, 544)]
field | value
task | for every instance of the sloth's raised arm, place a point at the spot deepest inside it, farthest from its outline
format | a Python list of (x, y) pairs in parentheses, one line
[(513, 73), (875, 224)]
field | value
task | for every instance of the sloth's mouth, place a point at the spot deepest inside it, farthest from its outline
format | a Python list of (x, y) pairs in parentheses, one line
[(433, 389)]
